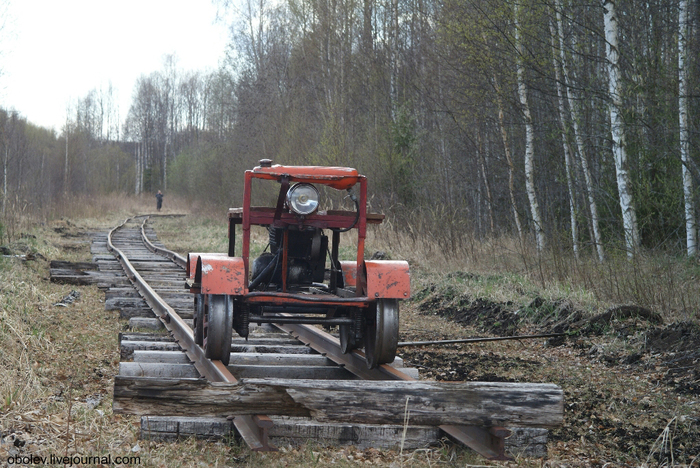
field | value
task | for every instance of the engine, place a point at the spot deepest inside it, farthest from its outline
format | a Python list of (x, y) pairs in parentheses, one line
[(306, 258)]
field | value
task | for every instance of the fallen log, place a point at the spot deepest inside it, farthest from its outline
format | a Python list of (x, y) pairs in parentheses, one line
[(485, 404)]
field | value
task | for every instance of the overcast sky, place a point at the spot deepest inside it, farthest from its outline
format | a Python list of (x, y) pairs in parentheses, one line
[(55, 51)]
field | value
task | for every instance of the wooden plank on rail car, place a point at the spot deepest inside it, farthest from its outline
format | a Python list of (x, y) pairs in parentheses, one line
[(485, 404)]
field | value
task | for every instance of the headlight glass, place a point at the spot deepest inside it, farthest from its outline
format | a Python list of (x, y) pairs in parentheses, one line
[(302, 199)]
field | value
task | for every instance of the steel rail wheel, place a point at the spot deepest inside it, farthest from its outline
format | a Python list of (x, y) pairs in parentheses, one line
[(382, 332), (347, 339), (199, 319), (218, 327)]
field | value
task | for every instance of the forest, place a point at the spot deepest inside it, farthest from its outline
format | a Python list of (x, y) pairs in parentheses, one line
[(564, 124)]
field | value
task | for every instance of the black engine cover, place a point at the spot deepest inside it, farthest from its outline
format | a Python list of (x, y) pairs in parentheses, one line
[(306, 257)]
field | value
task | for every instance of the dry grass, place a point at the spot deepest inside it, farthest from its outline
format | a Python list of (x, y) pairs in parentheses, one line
[(57, 364), (505, 271)]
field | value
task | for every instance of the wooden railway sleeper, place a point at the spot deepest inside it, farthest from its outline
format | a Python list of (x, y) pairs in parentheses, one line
[(256, 439), (488, 441)]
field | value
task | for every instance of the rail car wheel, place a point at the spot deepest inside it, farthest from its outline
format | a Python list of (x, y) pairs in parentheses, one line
[(199, 319), (347, 338), (382, 332), (218, 327)]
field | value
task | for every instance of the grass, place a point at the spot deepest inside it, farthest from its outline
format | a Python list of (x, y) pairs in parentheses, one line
[(56, 362), (502, 270)]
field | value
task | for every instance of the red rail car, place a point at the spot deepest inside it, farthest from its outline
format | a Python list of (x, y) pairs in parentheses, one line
[(300, 278)]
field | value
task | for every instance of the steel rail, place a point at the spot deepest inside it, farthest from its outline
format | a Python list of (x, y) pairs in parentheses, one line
[(253, 429), (479, 339), (175, 257), (488, 442)]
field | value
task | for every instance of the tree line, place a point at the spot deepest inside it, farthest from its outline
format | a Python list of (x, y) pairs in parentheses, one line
[(556, 121)]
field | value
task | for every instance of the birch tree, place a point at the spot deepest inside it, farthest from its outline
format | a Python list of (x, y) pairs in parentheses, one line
[(529, 137), (690, 225), (583, 158), (629, 215), (65, 166), (4, 174), (565, 145), (509, 160)]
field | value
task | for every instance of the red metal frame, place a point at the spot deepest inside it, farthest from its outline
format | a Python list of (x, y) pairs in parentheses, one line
[(341, 178), (337, 177), (392, 277)]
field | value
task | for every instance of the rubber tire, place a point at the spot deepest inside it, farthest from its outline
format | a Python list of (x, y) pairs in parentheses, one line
[(218, 328), (382, 332)]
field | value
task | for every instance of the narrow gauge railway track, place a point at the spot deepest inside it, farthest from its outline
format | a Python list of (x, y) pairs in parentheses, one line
[(309, 353)]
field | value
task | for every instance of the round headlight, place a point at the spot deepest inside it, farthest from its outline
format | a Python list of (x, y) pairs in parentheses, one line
[(302, 199)]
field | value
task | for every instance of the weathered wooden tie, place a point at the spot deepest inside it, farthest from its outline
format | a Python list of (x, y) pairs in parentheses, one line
[(485, 404), (292, 382)]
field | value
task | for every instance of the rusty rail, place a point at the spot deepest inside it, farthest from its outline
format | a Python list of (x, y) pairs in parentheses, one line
[(253, 429), (480, 340), (488, 442)]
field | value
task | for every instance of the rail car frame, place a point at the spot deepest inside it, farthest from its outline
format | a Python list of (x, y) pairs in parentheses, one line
[(360, 297)]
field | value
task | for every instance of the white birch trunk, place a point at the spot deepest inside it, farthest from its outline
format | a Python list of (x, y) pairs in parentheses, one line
[(629, 215), (136, 170), (394, 54), (65, 167), (165, 167), (509, 159), (143, 155), (4, 180), (482, 150), (565, 144), (529, 141), (571, 98), (690, 223), (43, 182)]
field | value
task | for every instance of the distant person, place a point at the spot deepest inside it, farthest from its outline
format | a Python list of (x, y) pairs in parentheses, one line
[(159, 199)]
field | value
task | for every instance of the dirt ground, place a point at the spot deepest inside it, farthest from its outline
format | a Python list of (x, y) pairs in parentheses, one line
[(631, 382)]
